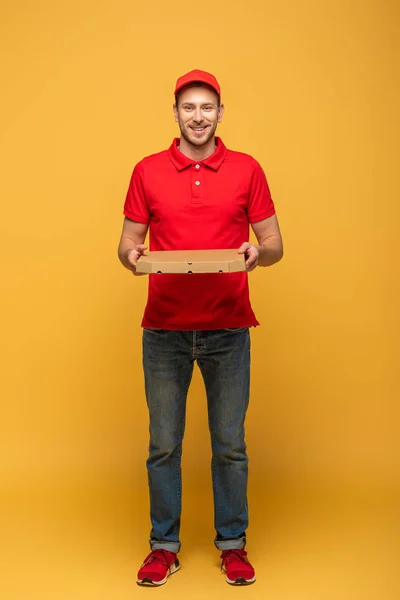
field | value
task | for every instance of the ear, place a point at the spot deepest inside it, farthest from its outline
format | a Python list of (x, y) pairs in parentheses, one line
[(221, 111), (175, 109)]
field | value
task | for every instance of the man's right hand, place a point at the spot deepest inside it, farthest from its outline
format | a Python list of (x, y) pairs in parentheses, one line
[(133, 255)]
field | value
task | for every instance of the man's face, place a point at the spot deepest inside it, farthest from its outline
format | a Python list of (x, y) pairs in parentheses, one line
[(198, 114)]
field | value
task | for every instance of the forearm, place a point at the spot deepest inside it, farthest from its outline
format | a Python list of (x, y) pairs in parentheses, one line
[(270, 252)]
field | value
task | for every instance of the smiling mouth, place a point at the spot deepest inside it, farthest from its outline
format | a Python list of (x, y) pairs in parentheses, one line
[(198, 129)]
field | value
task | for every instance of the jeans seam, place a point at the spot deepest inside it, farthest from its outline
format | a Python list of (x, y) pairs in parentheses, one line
[(179, 460)]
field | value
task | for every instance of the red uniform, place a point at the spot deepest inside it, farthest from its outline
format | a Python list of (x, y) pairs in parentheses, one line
[(205, 205)]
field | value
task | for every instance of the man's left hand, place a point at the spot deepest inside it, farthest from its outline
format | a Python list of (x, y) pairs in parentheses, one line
[(251, 253)]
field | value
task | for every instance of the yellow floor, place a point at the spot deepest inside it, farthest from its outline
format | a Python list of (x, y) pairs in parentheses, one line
[(88, 545)]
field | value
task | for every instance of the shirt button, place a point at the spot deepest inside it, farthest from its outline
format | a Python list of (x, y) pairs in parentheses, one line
[(197, 166), (197, 182)]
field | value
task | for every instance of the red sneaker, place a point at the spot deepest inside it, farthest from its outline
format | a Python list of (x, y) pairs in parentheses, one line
[(238, 569), (157, 567)]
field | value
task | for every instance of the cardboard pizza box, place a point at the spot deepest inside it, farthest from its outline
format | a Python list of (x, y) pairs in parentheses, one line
[(192, 261)]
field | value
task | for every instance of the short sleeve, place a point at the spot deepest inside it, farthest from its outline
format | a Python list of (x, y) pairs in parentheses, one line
[(135, 207), (260, 205)]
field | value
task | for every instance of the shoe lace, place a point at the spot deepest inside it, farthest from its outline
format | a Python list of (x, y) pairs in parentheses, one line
[(234, 554), (157, 556)]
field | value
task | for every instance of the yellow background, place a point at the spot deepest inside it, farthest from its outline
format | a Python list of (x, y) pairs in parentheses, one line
[(311, 91)]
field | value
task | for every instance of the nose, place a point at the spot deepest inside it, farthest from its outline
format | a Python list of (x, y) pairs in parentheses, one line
[(197, 117)]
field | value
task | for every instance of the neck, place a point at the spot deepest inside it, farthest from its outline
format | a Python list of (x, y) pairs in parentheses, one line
[(197, 153)]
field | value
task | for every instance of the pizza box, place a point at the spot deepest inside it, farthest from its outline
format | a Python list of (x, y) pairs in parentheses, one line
[(191, 261)]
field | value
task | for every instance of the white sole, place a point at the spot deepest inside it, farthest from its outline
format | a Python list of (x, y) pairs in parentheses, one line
[(173, 569), (240, 580)]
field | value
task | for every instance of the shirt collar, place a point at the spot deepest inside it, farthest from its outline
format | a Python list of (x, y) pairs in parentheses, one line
[(181, 161)]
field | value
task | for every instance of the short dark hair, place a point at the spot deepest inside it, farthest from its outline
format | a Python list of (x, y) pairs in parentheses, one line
[(197, 84)]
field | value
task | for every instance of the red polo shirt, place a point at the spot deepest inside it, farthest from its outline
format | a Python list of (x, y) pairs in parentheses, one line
[(201, 205)]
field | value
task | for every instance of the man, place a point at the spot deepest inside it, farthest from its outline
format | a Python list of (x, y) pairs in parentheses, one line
[(198, 195)]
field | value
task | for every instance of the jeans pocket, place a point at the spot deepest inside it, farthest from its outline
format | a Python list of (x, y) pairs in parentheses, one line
[(235, 329)]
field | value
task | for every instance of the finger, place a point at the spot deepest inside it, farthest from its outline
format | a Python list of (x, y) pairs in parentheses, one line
[(133, 257), (252, 258), (243, 247), (251, 253)]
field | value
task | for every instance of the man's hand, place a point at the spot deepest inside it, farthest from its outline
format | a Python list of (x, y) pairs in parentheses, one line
[(131, 245), (251, 253), (132, 256)]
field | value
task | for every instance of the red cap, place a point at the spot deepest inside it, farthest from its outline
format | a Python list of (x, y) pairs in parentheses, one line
[(197, 76)]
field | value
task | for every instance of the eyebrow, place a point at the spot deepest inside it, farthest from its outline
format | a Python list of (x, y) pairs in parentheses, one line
[(203, 104)]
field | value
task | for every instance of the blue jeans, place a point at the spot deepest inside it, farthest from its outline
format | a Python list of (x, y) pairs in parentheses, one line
[(223, 357)]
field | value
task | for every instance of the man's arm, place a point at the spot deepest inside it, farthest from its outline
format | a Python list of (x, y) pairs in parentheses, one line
[(270, 241), (131, 244), (270, 248)]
